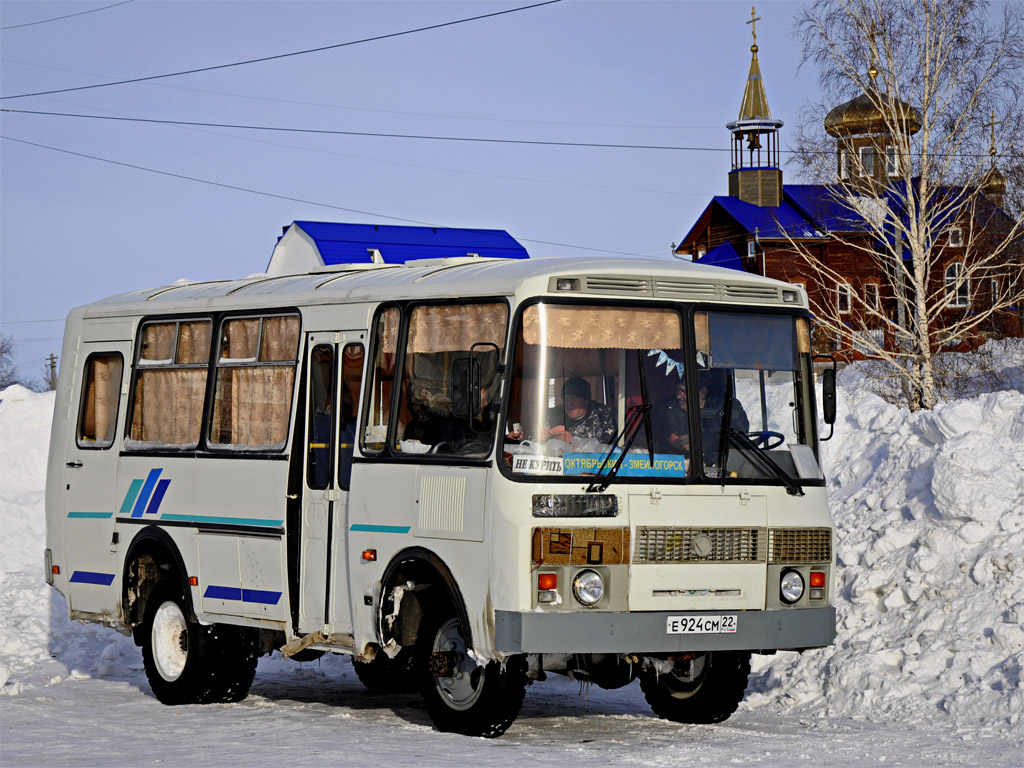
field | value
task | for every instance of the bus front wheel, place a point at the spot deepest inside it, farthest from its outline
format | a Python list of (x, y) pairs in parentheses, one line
[(705, 689), (189, 663), (461, 695)]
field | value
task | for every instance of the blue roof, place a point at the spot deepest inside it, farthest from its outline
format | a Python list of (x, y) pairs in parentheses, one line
[(722, 256), (769, 222), (823, 204), (349, 243)]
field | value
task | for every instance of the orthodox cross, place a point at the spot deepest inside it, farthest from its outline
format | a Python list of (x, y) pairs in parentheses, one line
[(754, 18), (992, 124)]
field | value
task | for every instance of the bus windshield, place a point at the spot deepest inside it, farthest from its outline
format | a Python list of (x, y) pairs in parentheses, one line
[(585, 377)]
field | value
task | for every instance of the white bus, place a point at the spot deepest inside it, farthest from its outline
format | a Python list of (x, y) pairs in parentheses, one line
[(464, 473)]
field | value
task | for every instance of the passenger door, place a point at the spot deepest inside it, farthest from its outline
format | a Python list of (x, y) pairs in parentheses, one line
[(90, 476), (333, 381)]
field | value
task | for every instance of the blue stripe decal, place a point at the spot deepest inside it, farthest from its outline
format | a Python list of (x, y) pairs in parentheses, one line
[(154, 504), (147, 491), (226, 520), (97, 515), (223, 593), (260, 596), (265, 597), (90, 577), (381, 528), (129, 499)]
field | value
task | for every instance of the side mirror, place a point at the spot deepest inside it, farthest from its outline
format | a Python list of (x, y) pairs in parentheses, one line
[(828, 395), (465, 380)]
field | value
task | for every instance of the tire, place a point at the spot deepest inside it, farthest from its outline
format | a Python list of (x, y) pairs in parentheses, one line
[(188, 663), (384, 674), (471, 699), (707, 689)]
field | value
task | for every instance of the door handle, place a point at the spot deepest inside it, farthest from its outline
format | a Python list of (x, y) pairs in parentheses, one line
[(74, 464)]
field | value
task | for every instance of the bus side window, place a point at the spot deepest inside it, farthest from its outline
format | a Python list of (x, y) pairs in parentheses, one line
[(170, 383), (101, 397), (255, 376), (351, 386), (382, 381)]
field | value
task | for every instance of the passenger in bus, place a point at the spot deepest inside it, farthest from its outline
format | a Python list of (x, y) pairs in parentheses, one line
[(579, 416)]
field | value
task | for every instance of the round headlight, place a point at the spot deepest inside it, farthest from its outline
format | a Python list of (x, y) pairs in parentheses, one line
[(791, 587), (588, 587)]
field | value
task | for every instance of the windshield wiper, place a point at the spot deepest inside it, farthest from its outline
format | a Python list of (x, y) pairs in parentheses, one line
[(635, 416), (723, 440), (742, 441)]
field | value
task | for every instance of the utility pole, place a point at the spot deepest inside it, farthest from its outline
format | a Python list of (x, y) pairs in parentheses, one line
[(53, 371)]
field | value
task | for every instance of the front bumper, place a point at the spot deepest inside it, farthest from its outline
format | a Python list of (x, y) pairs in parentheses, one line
[(643, 633)]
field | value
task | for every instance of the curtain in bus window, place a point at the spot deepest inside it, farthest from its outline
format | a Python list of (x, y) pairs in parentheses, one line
[(382, 380), (101, 399), (169, 405), (252, 406), (280, 339), (456, 328), (194, 342), (601, 327), (252, 400), (158, 342)]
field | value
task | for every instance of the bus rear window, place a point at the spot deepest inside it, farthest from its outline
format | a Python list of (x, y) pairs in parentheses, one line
[(101, 396)]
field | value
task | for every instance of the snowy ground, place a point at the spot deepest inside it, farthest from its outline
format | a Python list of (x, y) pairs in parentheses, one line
[(926, 669)]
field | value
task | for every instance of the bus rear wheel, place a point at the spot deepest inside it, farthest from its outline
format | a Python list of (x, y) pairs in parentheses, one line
[(461, 695), (188, 663), (705, 689)]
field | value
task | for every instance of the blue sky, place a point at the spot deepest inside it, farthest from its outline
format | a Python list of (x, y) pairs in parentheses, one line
[(73, 229)]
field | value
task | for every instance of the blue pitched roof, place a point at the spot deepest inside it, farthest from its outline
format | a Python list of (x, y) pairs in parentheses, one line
[(722, 256), (349, 243), (823, 204), (770, 222)]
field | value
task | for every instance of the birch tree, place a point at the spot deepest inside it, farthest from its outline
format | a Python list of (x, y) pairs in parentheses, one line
[(944, 80)]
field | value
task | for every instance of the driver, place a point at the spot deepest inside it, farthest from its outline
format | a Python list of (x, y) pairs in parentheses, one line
[(671, 421)]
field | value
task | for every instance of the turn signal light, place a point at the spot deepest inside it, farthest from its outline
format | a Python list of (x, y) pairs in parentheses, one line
[(55, 569), (817, 578), (193, 581), (547, 581), (369, 555)]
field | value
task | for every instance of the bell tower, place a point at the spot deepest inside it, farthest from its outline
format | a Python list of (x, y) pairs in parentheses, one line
[(756, 176)]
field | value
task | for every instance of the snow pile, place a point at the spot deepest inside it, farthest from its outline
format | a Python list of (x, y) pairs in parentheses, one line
[(929, 509), (929, 586)]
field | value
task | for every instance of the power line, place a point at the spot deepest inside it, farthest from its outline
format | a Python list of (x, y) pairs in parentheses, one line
[(68, 16), (287, 55), (371, 134), (327, 105), (285, 197)]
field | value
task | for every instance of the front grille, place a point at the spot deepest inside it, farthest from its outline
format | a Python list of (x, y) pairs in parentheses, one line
[(799, 545), (700, 545)]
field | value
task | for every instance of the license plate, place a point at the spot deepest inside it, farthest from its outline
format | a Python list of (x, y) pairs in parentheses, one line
[(701, 625)]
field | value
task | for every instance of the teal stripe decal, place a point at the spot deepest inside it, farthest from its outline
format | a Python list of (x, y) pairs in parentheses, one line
[(380, 528), (223, 520), (97, 515), (129, 499)]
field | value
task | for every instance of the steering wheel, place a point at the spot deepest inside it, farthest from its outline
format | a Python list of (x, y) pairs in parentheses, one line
[(766, 437)]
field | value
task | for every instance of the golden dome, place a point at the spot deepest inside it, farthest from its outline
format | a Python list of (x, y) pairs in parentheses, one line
[(861, 116)]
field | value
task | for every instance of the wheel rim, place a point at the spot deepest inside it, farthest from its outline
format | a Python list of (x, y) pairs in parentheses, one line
[(169, 641), (686, 678), (462, 688)]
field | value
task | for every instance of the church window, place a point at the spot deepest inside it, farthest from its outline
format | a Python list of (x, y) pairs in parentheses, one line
[(956, 237), (871, 296), (892, 167), (958, 285), (844, 164), (843, 297), (867, 161)]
